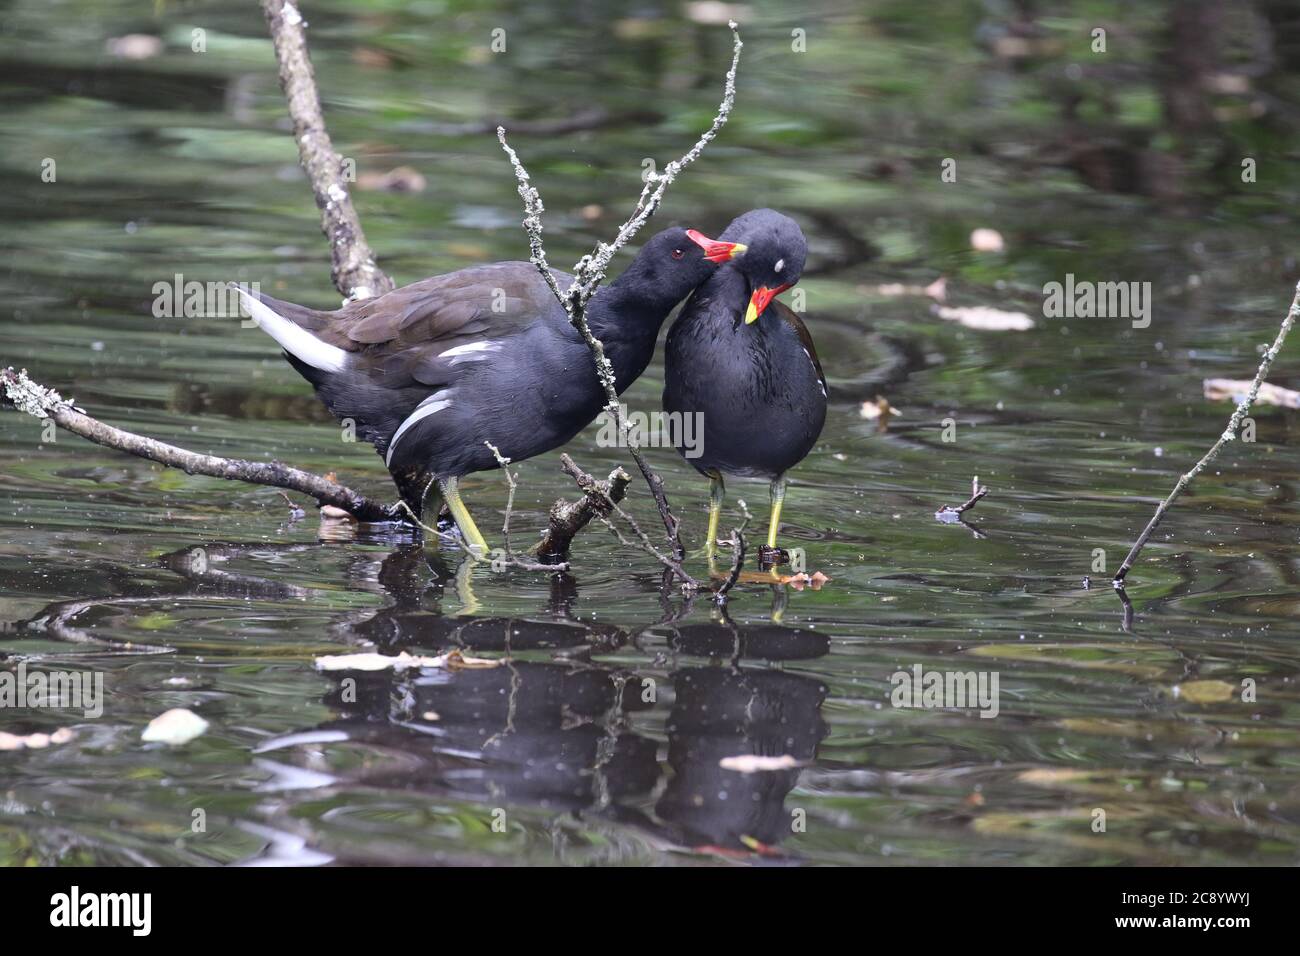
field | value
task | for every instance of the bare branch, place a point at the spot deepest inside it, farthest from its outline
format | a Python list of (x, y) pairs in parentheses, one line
[(568, 518), (45, 403), (511, 559), (353, 269), (1229, 433), (601, 500)]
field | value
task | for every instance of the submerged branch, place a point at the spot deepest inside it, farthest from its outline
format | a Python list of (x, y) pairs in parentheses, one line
[(1229, 433)]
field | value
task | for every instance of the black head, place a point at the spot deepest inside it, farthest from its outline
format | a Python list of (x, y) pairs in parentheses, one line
[(774, 258), (672, 263)]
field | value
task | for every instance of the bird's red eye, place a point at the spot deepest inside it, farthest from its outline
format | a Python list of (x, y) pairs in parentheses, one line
[(677, 253)]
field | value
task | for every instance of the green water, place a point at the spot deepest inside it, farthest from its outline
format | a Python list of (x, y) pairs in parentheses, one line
[(601, 738)]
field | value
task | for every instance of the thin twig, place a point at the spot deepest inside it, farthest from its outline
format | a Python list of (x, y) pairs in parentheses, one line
[(671, 563), (1229, 433), (294, 511), (353, 267), (510, 498), (737, 560), (45, 403)]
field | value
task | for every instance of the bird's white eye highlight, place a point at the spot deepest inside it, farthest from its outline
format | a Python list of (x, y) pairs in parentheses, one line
[(780, 264)]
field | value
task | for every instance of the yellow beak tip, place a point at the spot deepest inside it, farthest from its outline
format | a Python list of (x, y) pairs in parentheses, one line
[(751, 314), (739, 249)]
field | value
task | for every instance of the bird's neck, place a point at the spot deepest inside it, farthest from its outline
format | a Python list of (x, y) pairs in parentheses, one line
[(627, 321), (721, 298), (627, 313)]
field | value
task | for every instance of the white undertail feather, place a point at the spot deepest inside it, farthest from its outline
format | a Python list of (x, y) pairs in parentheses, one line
[(297, 341), (434, 403)]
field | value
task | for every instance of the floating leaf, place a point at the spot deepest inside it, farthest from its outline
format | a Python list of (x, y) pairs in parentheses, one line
[(1205, 691), (452, 660), (987, 240), (175, 727), (35, 741), (986, 319), (1231, 389), (756, 763)]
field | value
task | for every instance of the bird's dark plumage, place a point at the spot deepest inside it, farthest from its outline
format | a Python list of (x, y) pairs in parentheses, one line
[(430, 372), (759, 388), (757, 384)]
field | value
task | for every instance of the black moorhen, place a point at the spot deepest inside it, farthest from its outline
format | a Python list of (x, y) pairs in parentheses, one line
[(748, 366), (430, 372)]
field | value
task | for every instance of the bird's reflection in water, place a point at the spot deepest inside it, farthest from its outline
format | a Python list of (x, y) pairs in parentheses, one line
[(542, 733), (731, 711), (555, 727), (572, 733)]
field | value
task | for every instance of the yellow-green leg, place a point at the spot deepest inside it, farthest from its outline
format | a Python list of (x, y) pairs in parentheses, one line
[(450, 488), (716, 492), (778, 497)]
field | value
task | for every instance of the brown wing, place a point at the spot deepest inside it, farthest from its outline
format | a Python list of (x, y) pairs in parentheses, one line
[(793, 320), (401, 336)]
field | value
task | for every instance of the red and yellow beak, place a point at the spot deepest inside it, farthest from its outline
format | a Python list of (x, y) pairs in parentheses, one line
[(714, 250), (760, 300)]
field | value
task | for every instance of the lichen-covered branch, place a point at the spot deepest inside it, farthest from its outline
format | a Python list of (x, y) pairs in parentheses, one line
[(45, 403), (353, 267), (591, 269), (1229, 433)]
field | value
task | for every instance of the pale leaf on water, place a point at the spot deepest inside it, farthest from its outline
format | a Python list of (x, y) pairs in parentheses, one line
[(452, 660), (175, 727), (756, 763), (986, 319)]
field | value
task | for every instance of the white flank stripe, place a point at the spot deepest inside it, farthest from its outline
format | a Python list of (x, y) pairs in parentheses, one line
[(434, 403), (296, 341), (470, 353)]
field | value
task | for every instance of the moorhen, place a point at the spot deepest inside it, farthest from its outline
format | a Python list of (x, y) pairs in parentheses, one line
[(748, 366), (430, 372)]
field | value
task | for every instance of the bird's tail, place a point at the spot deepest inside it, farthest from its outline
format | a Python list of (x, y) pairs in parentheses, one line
[(293, 338)]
